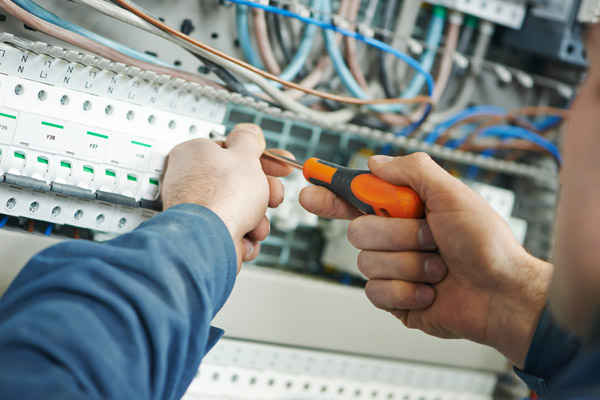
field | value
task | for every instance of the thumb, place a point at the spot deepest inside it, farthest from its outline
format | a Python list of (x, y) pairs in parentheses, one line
[(246, 138), (417, 171)]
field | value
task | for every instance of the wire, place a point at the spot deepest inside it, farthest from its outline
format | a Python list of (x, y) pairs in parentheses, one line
[(262, 40), (405, 24), (351, 50), (241, 22), (447, 62), (516, 132), (373, 42), (343, 71), (49, 229), (470, 112), (486, 30), (382, 70), (94, 47), (302, 54), (46, 15), (287, 102), (282, 35), (4, 221)]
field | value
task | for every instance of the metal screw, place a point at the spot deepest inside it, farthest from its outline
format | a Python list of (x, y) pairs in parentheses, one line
[(122, 222), (42, 95), (19, 90), (56, 212), (87, 105), (100, 219), (64, 100), (78, 215), (11, 204), (34, 207)]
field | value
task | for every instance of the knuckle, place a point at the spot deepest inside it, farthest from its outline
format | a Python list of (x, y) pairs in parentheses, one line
[(420, 159)]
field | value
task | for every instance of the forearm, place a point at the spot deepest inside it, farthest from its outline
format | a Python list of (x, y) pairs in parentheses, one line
[(126, 319)]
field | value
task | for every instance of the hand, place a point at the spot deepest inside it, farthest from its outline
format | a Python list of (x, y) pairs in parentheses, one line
[(459, 273), (231, 180)]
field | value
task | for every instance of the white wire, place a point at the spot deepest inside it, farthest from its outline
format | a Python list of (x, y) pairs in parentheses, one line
[(405, 24), (113, 11)]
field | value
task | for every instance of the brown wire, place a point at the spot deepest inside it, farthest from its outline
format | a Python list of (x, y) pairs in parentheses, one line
[(340, 99)]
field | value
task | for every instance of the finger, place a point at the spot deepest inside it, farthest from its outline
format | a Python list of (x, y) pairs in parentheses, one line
[(418, 171), (251, 249), (261, 231), (276, 192), (246, 138), (371, 232), (324, 203), (277, 168), (405, 266), (393, 294)]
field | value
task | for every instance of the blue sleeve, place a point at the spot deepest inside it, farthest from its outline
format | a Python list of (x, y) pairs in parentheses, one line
[(551, 350), (127, 319)]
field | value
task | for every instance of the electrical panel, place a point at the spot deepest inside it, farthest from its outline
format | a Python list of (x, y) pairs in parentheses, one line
[(85, 131)]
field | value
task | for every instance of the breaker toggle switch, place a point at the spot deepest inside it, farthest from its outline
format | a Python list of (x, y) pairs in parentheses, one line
[(61, 171), (39, 168), (108, 181), (86, 176), (132, 186), (17, 162)]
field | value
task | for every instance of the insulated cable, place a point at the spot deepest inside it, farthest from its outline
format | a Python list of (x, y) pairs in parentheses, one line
[(94, 47), (342, 99)]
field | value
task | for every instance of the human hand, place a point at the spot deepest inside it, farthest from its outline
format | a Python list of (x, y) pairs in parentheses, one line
[(459, 273), (231, 180)]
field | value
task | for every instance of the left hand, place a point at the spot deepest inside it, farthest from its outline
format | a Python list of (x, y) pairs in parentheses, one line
[(232, 181)]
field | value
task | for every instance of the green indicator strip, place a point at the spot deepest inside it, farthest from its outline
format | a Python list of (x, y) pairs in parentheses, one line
[(65, 164), (132, 178), (42, 160), (110, 173), (88, 169), (19, 155), (97, 135), (153, 182), (8, 116), (140, 143), (52, 125)]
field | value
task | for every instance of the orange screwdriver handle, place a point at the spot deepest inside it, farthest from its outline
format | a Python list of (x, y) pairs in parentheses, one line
[(364, 190)]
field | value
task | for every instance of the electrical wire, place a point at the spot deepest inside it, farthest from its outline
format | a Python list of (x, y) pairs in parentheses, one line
[(486, 30), (351, 50), (285, 101), (94, 47), (382, 68), (447, 62), (4, 221), (46, 15), (262, 40), (470, 112), (49, 229), (325, 25), (243, 28), (345, 74), (282, 35), (405, 24)]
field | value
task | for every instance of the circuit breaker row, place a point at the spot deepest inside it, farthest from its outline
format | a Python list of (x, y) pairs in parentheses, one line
[(68, 157)]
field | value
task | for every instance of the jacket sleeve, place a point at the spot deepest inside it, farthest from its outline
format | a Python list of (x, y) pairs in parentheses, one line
[(126, 319), (550, 352)]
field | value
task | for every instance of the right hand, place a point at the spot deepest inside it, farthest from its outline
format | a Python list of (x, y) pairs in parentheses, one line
[(459, 273)]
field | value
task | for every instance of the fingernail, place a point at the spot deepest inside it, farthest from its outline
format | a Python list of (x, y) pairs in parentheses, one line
[(434, 267), (382, 159), (249, 128), (426, 239), (425, 294), (249, 248)]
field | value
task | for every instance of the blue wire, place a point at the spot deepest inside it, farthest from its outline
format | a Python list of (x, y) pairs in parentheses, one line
[(548, 123), (4, 221), (302, 53), (241, 21), (439, 130), (342, 69), (54, 19), (355, 35), (49, 229), (516, 132)]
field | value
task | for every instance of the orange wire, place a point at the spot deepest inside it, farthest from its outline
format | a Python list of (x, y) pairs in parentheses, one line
[(30, 225), (264, 74)]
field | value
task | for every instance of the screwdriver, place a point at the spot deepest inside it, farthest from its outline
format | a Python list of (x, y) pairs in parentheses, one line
[(365, 191)]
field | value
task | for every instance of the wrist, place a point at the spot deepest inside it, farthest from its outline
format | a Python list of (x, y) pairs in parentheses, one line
[(516, 309)]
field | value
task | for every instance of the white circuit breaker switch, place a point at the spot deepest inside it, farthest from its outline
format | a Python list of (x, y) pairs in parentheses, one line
[(85, 175), (15, 162), (60, 170), (107, 181), (150, 188), (131, 185), (38, 167)]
